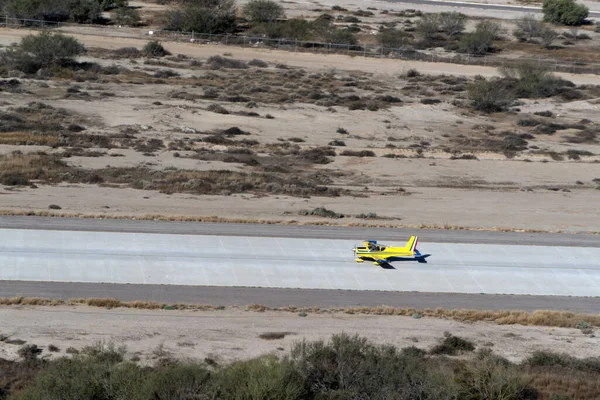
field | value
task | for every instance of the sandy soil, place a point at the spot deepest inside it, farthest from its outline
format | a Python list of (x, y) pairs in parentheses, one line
[(233, 334), (491, 192)]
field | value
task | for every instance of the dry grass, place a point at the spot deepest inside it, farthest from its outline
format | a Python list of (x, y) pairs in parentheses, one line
[(560, 319), (223, 220), (26, 138)]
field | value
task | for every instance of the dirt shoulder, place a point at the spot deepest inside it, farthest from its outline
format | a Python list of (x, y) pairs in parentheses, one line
[(234, 334)]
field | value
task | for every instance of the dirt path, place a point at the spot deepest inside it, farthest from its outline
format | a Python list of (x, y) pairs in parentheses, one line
[(233, 334), (304, 60)]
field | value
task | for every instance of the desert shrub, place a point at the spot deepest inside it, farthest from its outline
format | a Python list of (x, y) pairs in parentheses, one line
[(79, 11), (293, 29), (337, 142), (428, 26), (528, 27), (411, 73), (217, 108), (370, 215), (255, 62), (207, 16), (261, 11), (337, 36), (29, 352), (566, 12), (430, 101), (218, 62), (261, 378), (452, 345), (104, 352), (489, 95), (154, 49), (582, 325), (322, 212), (43, 51), (549, 359), (350, 367), (547, 36), (178, 381), (126, 16), (392, 38), (481, 40), (86, 378), (534, 80), (165, 73), (452, 23), (130, 52), (491, 377), (350, 19), (358, 153), (342, 130), (318, 155)]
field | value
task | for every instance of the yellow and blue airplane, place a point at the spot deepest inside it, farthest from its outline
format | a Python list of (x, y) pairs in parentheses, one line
[(381, 254)]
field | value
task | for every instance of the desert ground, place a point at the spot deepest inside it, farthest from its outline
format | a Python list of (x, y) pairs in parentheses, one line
[(234, 334), (415, 178)]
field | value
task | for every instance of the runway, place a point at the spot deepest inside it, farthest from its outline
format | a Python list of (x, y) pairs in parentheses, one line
[(483, 6), (300, 263)]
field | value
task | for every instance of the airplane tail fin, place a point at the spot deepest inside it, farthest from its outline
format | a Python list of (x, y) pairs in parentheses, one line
[(412, 244)]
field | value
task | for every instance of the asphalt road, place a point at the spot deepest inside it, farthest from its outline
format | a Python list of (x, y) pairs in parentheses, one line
[(271, 297), (296, 231), (498, 7)]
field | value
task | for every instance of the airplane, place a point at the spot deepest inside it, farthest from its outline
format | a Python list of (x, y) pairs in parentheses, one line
[(381, 254)]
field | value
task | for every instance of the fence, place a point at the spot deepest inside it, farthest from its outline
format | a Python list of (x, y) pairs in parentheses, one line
[(401, 53)]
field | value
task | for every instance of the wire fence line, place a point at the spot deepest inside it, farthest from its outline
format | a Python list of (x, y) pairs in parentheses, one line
[(401, 53)]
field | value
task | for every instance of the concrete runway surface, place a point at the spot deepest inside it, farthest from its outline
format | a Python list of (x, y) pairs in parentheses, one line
[(238, 261), (483, 6)]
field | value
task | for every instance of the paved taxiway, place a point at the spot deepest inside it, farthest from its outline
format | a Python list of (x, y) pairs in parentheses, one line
[(230, 261), (297, 231), (482, 6)]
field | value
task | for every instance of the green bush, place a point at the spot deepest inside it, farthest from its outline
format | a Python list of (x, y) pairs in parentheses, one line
[(533, 80), (392, 38), (265, 378), (429, 26), (452, 345), (79, 11), (293, 28), (350, 367), (85, 11), (452, 23), (528, 27), (205, 16), (47, 10), (565, 12), (489, 96), (329, 33), (126, 16), (489, 377), (154, 49), (322, 212), (42, 51), (261, 11), (481, 40)]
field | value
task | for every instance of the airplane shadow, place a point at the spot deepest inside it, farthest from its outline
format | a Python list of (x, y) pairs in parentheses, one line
[(420, 259)]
